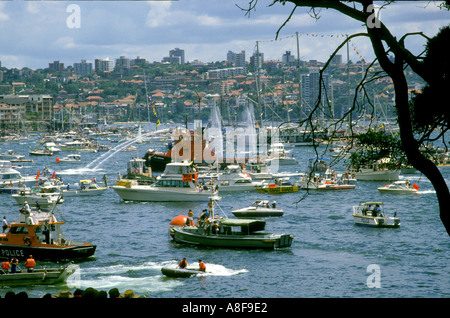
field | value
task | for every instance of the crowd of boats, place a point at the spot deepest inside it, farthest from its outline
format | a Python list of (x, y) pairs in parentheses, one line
[(38, 232)]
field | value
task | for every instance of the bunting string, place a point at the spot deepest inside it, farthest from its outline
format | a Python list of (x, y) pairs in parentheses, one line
[(317, 35)]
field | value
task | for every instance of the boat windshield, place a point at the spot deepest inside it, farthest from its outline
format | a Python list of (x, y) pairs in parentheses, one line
[(171, 184)]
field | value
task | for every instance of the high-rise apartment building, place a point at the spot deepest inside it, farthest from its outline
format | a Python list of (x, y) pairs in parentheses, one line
[(83, 68), (104, 65), (123, 62), (256, 61), (288, 59), (177, 53), (56, 66), (237, 58), (310, 89)]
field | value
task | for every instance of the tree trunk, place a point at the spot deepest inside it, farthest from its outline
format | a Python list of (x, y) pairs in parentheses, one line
[(411, 147)]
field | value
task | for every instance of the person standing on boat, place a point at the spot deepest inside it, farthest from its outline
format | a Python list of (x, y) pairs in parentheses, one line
[(190, 219), (183, 263), (201, 266), (30, 264), (14, 263), (5, 224), (38, 206), (26, 207)]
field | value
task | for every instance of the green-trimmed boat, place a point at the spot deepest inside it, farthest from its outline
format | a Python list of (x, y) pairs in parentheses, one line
[(229, 233)]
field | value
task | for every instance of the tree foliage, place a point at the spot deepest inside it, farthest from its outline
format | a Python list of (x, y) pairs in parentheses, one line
[(393, 56)]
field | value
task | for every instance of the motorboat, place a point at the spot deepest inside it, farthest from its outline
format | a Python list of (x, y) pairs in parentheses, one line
[(11, 155), (277, 154), (399, 187), (84, 188), (229, 233), (257, 170), (137, 170), (259, 208), (281, 185), (377, 171), (172, 271), (39, 233), (129, 148), (235, 180), (41, 152), (336, 185), (72, 158), (178, 182), (46, 195), (78, 145), (52, 147), (372, 214), (12, 177), (39, 276)]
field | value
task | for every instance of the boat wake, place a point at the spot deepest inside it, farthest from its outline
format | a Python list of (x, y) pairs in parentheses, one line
[(211, 269), (142, 278), (78, 171)]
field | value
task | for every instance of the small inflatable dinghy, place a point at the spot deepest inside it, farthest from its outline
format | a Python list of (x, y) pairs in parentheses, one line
[(179, 272)]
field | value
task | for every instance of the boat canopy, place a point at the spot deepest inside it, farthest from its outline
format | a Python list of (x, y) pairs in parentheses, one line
[(247, 225)]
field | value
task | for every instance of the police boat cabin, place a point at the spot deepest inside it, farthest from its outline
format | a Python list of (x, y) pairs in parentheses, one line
[(39, 234)]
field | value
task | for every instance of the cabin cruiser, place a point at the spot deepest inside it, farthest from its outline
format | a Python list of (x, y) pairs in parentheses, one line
[(259, 208), (372, 214), (235, 180), (377, 171), (45, 195), (178, 182), (73, 158), (399, 187), (41, 152), (257, 170), (52, 147), (11, 177), (9, 155), (86, 187), (278, 155)]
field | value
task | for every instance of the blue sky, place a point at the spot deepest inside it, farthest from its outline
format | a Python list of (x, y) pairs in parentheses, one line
[(34, 33)]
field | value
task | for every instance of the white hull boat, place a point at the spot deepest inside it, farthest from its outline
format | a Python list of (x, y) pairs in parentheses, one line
[(177, 183), (377, 175), (260, 208), (399, 187), (234, 180), (372, 214), (74, 158)]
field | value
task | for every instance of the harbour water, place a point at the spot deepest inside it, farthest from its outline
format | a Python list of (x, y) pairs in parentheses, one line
[(330, 256)]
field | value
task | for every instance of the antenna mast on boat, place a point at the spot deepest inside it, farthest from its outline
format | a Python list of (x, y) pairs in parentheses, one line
[(146, 98), (258, 84), (299, 80)]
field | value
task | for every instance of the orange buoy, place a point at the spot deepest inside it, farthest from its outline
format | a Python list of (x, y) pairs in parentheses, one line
[(57, 159), (179, 220)]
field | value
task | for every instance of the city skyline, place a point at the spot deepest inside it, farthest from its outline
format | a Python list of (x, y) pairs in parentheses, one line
[(46, 31)]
